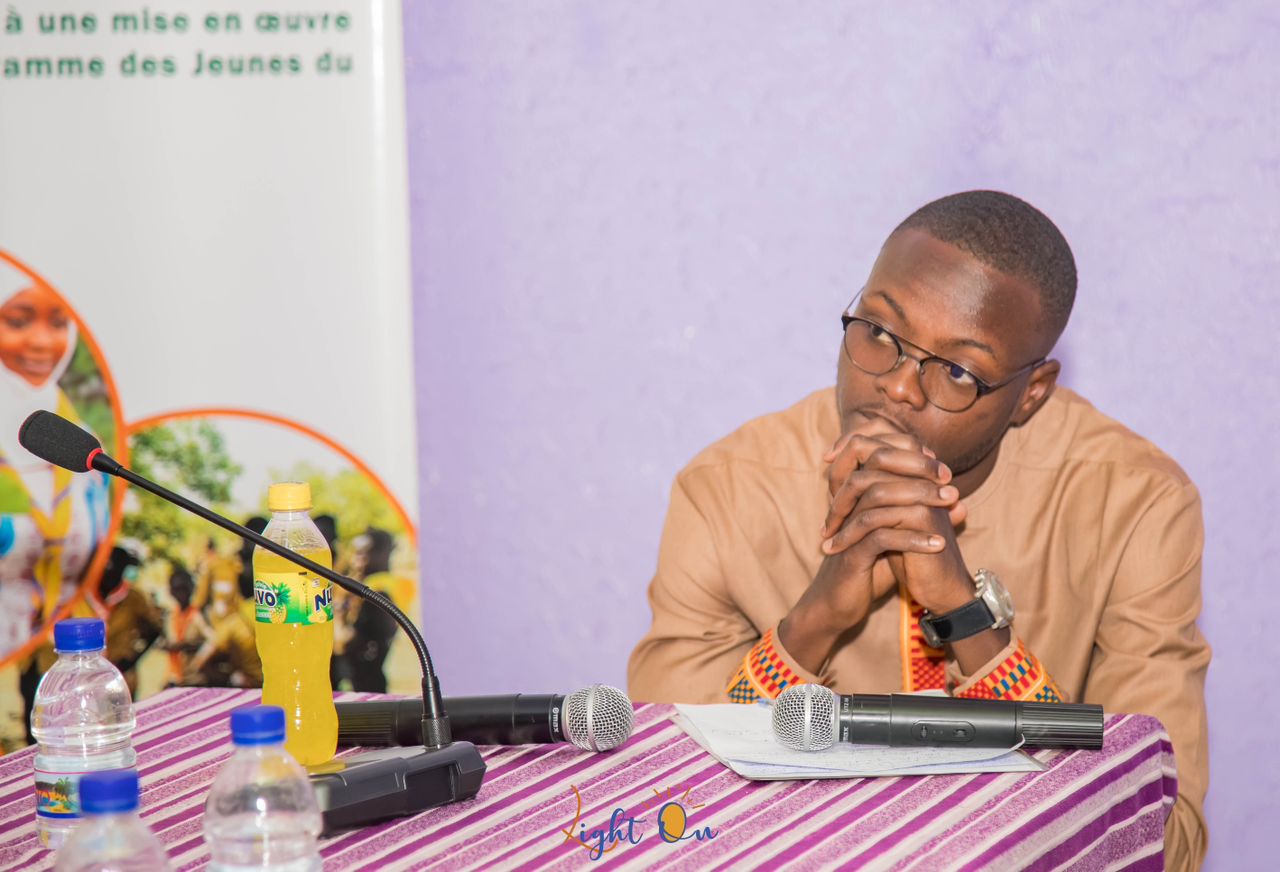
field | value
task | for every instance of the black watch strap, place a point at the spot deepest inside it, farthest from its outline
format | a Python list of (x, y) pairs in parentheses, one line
[(969, 620)]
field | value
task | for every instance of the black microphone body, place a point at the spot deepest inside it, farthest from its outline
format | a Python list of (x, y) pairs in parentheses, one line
[(903, 719), (506, 719)]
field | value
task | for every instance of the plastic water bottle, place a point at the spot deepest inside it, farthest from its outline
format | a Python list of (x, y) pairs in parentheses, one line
[(111, 838), (262, 812), (83, 721), (293, 612)]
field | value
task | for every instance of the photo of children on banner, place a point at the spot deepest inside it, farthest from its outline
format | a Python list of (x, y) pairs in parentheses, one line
[(206, 617), (178, 605)]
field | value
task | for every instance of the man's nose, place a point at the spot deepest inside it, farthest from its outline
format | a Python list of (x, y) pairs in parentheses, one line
[(902, 384)]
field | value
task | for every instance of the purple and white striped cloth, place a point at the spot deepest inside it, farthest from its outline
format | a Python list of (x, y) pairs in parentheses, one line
[(554, 806)]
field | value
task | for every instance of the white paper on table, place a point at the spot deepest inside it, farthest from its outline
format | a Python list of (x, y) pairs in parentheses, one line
[(741, 737)]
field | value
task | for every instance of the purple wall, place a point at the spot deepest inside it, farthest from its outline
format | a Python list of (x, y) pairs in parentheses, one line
[(635, 226)]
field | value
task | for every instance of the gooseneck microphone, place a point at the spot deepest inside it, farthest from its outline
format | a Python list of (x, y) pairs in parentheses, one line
[(56, 440), (810, 717), (351, 792), (596, 718)]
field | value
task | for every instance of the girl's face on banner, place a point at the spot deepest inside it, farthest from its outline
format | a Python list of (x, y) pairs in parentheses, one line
[(33, 334)]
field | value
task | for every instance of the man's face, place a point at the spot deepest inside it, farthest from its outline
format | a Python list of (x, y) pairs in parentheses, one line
[(181, 589), (360, 554), (942, 301), (33, 334)]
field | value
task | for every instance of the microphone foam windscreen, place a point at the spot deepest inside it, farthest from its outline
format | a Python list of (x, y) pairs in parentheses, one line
[(55, 439), (804, 717), (598, 718)]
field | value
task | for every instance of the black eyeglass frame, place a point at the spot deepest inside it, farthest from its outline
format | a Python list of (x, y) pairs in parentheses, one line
[(983, 387)]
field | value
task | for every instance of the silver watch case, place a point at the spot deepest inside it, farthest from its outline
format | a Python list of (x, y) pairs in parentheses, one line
[(993, 593)]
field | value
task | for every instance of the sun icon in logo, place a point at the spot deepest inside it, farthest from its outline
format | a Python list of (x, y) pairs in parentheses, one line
[(673, 814)]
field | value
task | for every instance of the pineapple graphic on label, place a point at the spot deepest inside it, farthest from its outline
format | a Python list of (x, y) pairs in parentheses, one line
[(280, 612)]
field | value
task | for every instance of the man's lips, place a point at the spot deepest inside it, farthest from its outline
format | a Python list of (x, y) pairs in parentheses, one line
[(872, 415)]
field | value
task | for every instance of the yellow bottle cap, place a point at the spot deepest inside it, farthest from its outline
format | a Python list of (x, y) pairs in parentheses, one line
[(289, 496)]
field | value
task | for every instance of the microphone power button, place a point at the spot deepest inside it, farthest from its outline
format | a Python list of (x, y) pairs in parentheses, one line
[(942, 732)]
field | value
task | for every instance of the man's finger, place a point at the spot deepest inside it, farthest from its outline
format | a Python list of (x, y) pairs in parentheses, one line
[(858, 527), (869, 489), (857, 449), (910, 463), (875, 427), (886, 539), (834, 451)]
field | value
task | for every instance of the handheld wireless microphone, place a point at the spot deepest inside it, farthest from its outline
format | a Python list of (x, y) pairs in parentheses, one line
[(596, 718), (810, 717)]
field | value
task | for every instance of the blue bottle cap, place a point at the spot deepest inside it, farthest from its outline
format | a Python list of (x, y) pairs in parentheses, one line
[(109, 792), (80, 634), (258, 725)]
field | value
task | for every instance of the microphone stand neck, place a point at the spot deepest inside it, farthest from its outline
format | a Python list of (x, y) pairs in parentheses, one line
[(435, 721)]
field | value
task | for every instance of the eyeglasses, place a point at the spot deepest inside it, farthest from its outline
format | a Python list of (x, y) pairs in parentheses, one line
[(949, 386)]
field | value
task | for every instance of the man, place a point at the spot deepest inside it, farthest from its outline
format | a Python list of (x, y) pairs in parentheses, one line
[(370, 631), (133, 621), (870, 538), (186, 632), (228, 656)]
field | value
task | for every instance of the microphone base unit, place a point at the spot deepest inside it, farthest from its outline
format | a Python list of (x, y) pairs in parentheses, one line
[(369, 788)]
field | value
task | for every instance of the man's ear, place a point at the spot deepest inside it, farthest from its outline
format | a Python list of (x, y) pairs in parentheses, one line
[(1044, 378)]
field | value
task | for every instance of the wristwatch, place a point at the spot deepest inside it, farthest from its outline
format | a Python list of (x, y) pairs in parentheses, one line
[(991, 609)]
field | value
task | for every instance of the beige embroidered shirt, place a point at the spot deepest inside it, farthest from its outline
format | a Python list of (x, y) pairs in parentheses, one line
[(1094, 531)]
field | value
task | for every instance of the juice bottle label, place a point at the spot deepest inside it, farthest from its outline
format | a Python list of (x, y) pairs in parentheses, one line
[(58, 794), (292, 598)]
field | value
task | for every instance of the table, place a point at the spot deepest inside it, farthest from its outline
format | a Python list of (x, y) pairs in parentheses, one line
[(1089, 810)]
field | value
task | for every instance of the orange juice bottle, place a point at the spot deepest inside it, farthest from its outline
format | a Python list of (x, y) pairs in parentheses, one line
[(293, 611)]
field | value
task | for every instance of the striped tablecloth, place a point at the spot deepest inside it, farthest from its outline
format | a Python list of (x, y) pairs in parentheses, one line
[(1090, 810)]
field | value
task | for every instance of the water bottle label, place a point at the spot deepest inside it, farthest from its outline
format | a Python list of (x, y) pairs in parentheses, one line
[(292, 598), (58, 794)]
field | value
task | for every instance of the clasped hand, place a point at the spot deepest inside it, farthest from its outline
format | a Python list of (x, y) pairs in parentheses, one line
[(892, 497)]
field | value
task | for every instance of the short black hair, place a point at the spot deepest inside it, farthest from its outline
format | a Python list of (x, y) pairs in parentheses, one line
[(117, 564), (1009, 235), (380, 541)]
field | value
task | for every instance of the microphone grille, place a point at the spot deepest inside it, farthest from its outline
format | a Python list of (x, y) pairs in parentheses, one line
[(804, 717), (598, 718)]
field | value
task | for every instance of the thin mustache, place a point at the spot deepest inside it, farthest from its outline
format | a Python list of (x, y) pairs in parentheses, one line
[(879, 413)]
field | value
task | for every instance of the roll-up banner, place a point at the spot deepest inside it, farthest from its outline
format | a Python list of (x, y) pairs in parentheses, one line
[(203, 227)]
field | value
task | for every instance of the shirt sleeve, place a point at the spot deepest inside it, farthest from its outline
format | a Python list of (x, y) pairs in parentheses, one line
[(1149, 656), (766, 671), (1014, 674), (700, 641)]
